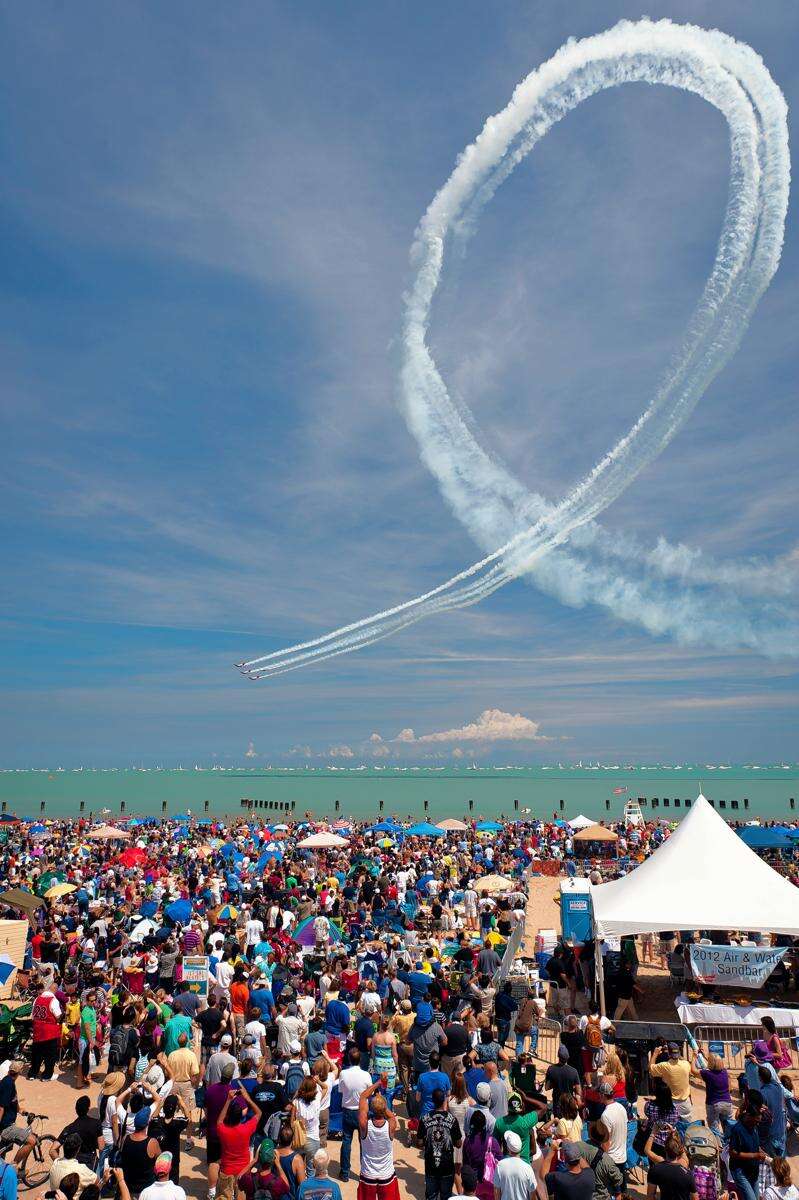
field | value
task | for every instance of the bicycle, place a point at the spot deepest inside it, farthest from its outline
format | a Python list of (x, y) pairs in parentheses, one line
[(36, 1167)]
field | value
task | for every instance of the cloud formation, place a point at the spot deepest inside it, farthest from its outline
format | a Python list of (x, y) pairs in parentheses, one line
[(341, 752), (493, 725)]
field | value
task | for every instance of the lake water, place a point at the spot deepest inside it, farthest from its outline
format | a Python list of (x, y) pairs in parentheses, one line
[(492, 790)]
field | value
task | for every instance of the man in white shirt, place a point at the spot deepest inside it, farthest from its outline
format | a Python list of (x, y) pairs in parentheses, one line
[(370, 1003), (615, 1117), (163, 1188), (514, 1179), (352, 1082), (254, 932)]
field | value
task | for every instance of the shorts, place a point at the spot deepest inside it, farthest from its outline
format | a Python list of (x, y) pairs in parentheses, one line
[(213, 1150), (18, 1134), (379, 1191)]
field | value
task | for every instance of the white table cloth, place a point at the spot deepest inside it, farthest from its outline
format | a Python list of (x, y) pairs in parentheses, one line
[(733, 1014)]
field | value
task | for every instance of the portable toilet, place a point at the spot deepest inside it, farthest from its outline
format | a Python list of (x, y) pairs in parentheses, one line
[(575, 910)]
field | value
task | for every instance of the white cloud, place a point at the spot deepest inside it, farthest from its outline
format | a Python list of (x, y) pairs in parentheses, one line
[(251, 751), (375, 737), (380, 751), (302, 751), (457, 752), (493, 725), (341, 752)]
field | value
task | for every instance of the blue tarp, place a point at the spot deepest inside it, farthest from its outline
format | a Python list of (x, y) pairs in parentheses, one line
[(758, 838)]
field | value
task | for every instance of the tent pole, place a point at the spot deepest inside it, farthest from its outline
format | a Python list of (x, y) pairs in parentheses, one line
[(599, 970)]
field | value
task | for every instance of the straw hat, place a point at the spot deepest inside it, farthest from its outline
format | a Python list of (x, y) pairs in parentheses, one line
[(112, 1083)]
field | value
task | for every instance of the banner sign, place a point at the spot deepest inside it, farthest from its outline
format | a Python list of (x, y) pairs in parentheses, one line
[(195, 973), (734, 966)]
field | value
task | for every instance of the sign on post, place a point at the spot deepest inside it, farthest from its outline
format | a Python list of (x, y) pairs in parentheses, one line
[(734, 966), (195, 973)]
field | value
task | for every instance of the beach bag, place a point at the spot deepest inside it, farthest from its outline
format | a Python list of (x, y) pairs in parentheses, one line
[(705, 1182), (294, 1077), (490, 1164), (274, 1125), (593, 1033), (299, 1135), (701, 1146)]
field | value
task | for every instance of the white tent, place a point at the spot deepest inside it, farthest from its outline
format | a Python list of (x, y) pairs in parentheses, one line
[(702, 877), (581, 822)]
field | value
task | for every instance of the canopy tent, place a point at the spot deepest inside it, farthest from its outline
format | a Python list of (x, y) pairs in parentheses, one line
[(424, 829), (17, 898), (107, 833), (489, 827), (776, 838), (595, 833), (450, 824), (387, 826), (322, 841), (580, 822), (703, 877)]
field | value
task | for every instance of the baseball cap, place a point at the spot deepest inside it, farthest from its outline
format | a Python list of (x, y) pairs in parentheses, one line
[(406, 1006), (513, 1142), (515, 1104), (571, 1152), (142, 1118), (674, 1048), (226, 1040), (163, 1163), (266, 1151), (295, 1047), (483, 1093), (606, 1088)]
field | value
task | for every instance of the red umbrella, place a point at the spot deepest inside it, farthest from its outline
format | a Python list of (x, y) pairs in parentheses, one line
[(134, 856)]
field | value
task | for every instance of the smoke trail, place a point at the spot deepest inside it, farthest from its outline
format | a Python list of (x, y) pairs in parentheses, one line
[(668, 590)]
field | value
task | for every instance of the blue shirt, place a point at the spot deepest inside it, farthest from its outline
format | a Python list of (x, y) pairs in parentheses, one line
[(417, 981), (319, 1189), (8, 1181), (337, 1018), (472, 1077), (427, 1083), (773, 1095), (264, 1001), (746, 1141)]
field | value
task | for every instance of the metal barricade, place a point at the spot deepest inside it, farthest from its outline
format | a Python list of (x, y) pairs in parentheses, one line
[(545, 1046), (733, 1042)]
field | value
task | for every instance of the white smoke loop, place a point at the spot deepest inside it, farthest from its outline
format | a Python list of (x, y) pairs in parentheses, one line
[(666, 590)]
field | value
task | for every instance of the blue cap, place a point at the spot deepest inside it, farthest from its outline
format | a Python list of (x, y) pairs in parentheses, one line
[(142, 1118)]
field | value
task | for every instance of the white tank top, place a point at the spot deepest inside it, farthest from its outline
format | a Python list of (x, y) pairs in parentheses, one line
[(377, 1154)]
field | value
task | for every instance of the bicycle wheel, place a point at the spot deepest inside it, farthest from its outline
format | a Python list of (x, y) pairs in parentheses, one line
[(37, 1168)]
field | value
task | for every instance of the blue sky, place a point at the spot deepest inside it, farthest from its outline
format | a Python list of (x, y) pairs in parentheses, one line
[(207, 212)]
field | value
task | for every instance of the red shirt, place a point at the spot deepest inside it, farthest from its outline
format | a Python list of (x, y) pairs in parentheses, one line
[(235, 1143)]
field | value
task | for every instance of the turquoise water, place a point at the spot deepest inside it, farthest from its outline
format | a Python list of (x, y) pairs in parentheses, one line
[(493, 791)]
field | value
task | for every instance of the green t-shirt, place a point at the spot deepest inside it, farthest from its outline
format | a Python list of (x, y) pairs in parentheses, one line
[(174, 1027), (88, 1016), (523, 1124)]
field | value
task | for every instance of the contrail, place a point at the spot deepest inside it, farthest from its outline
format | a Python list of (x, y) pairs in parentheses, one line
[(667, 590)]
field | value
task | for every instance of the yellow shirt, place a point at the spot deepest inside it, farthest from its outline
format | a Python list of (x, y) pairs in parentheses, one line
[(400, 1024), (677, 1075), (183, 1064)]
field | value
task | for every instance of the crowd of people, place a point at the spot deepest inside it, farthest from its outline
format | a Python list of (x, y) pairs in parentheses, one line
[(222, 995)]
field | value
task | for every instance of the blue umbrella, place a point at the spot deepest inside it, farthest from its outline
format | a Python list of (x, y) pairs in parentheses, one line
[(384, 827), (38, 829), (149, 908), (178, 911), (228, 849), (180, 831), (425, 829)]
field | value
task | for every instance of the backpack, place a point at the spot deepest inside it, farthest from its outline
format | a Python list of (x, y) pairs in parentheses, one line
[(294, 1077), (701, 1146), (705, 1182), (274, 1125), (119, 1047), (593, 1033)]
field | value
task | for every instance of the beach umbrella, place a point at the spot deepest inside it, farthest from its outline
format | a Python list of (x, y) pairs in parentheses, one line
[(149, 908), (142, 930), (385, 843), (227, 913), (450, 824), (133, 856), (59, 889), (179, 911), (280, 828), (107, 833), (34, 829), (493, 883), (10, 819), (304, 934), (322, 841), (424, 829), (214, 843), (489, 827), (7, 969), (229, 849), (48, 879), (384, 827)]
